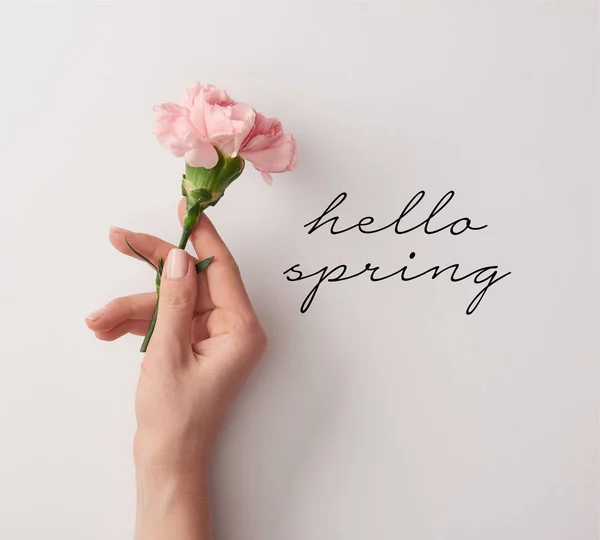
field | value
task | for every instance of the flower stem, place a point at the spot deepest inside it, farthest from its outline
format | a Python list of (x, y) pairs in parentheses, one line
[(150, 328), (185, 236)]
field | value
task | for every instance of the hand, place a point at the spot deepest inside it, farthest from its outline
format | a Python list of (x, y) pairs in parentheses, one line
[(206, 342)]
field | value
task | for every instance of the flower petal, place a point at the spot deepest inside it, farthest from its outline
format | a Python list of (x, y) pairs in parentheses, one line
[(227, 127), (279, 157), (172, 127), (216, 96), (198, 116), (267, 178), (190, 94), (203, 155), (266, 131)]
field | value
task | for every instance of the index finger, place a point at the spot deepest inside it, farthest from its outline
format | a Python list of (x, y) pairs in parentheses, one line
[(225, 284)]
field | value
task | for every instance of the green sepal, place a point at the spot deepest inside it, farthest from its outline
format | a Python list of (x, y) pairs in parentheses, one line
[(216, 179), (201, 195), (202, 265), (192, 214), (213, 203), (203, 187)]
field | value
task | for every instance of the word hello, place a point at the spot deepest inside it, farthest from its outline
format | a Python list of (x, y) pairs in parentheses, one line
[(486, 275)]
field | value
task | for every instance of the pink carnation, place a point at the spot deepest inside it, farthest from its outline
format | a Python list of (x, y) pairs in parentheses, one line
[(207, 118)]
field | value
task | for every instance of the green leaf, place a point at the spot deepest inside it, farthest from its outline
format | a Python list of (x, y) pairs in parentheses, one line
[(140, 255), (160, 266), (203, 264)]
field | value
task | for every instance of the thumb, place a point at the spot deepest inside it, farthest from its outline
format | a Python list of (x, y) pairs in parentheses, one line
[(178, 290)]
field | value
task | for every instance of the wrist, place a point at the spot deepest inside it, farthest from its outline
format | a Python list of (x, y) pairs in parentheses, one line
[(170, 480), (172, 490), (171, 506)]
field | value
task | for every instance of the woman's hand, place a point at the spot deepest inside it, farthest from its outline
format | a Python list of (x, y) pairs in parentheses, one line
[(206, 342)]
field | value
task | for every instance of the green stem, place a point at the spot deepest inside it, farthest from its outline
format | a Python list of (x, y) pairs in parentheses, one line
[(150, 329), (185, 236)]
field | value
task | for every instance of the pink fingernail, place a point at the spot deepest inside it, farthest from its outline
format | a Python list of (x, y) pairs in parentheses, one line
[(95, 315), (177, 264), (118, 230)]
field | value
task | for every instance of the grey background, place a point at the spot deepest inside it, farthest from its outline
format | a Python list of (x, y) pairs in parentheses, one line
[(384, 412)]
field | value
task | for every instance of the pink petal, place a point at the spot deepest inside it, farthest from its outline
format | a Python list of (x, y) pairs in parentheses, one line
[(216, 96), (267, 178), (279, 157), (190, 94), (198, 116), (266, 132), (227, 127), (208, 93), (244, 116), (203, 155), (172, 127), (292, 163)]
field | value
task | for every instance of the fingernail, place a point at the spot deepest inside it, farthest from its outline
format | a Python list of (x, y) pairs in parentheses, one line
[(118, 230), (177, 264), (95, 315)]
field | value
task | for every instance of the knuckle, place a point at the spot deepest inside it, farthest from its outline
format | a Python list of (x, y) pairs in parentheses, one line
[(156, 254), (230, 264), (254, 336), (121, 305), (175, 300), (262, 342), (165, 356), (177, 296)]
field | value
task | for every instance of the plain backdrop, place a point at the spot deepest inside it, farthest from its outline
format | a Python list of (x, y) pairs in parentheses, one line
[(384, 411)]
